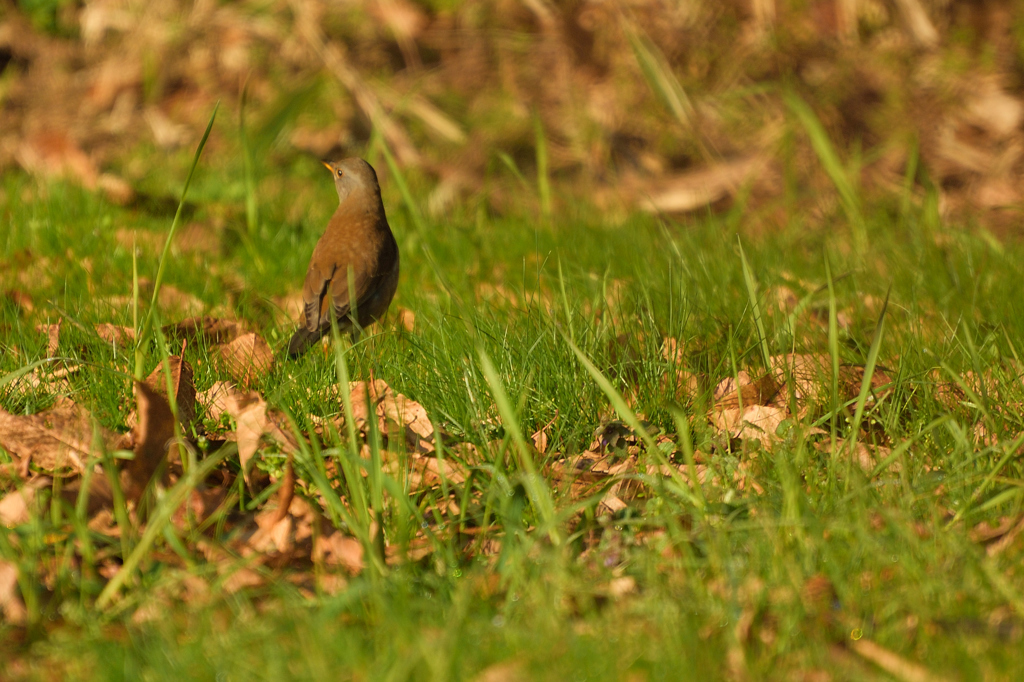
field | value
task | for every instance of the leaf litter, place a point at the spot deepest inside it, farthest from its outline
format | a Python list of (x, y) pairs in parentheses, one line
[(289, 534)]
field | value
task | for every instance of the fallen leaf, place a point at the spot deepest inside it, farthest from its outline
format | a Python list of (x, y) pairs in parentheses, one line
[(407, 319), (732, 391), (22, 301), (289, 534), (182, 387), (757, 422), (11, 605), (252, 419), (53, 153), (248, 358), (54, 440), (405, 412), (210, 330), (122, 337), (52, 332), (694, 189), (892, 663), (153, 435), (339, 550), (15, 505)]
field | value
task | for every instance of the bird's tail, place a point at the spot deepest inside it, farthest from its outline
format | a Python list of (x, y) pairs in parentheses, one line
[(301, 341)]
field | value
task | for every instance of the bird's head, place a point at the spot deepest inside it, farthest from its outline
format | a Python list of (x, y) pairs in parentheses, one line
[(353, 177)]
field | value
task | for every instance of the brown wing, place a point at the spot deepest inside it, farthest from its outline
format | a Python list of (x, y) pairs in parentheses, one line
[(344, 246)]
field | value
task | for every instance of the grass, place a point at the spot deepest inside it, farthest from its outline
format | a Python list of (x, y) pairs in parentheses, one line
[(521, 321)]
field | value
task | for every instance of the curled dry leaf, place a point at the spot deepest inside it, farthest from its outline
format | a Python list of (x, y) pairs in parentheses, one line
[(757, 422), (393, 410), (182, 387), (540, 438), (153, 434), (252, 420), (339, 550), (289, 534), (121, 337), (55, 440), (247, 358), (732, 391)]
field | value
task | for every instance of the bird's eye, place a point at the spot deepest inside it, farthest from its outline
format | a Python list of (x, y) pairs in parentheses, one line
[(340, 173)]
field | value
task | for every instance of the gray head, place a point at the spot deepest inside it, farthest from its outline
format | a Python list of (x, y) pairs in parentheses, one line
[(353, 177)]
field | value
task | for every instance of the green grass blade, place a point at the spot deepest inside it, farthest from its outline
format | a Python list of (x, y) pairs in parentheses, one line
[(869, 371), (403, 187), (161, 516), (837, 172), (535, 485), (833, 352), (143, 334), (543, 181), (755, 306)]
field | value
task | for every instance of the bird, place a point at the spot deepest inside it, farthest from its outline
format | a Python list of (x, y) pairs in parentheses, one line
[(357, 249)]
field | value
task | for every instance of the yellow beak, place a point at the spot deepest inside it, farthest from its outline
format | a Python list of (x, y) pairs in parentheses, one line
[(327, 166)]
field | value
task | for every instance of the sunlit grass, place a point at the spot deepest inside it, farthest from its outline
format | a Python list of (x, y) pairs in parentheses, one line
[(518, 322)]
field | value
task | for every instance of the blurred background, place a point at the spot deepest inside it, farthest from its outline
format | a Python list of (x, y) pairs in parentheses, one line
[(797, 109)]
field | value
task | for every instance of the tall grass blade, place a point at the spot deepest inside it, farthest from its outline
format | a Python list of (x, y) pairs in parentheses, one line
[(165, 508), (143, 334), (755, 306), (869, 371), (251, 206), (535, 485), (403, 186), (660, 78), (829, 158), (833, 350), (543, 181)]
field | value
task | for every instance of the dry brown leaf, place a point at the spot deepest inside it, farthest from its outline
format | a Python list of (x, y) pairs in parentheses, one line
[(808, 377), (211, 330), (198, 238), (289, 534), (757, 422), (393, 410), (339, 550), (52, 332), (248, 358), (252, 419), (1000, 537), (54, 153), (215, 398), (731, 391), (182, 387), (407, 319), (694, 189), (15, 506), (22, 300), (405, 412), (426, 472), (153, 434), (122, 337), (58, 439), (11, 605)]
